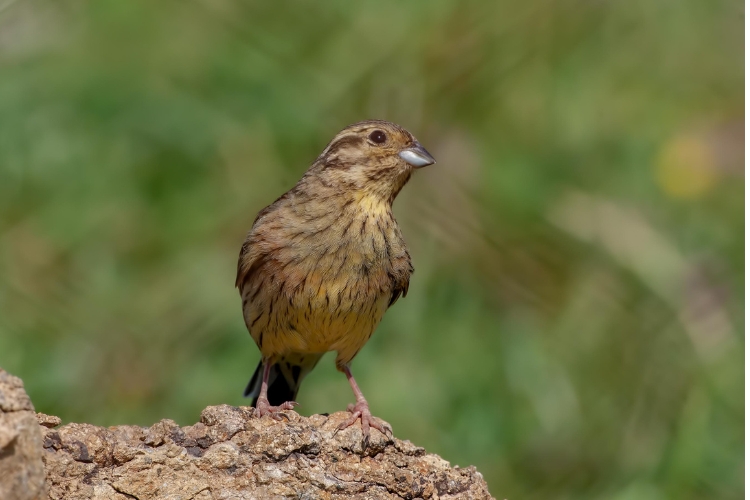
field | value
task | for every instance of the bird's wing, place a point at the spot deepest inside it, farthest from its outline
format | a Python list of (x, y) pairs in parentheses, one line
[(401, 273), (245, 261), (399, 291), (249, 259)]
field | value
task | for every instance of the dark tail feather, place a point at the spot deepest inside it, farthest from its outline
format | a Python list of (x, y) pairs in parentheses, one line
[(253, 387), (284, 378)]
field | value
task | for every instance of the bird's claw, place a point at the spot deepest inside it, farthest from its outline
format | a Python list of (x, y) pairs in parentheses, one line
[(262, 408), (361, 411)]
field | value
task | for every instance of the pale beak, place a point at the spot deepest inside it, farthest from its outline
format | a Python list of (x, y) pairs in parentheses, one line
[(417, 156)]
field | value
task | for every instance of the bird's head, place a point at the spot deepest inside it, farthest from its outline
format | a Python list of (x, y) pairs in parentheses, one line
[(373, 157)]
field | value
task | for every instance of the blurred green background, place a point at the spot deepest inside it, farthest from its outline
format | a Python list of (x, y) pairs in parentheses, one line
[(574, 325)]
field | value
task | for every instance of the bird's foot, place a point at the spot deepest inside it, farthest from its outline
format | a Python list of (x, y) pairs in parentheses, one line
[(262, 408), (361, 410)]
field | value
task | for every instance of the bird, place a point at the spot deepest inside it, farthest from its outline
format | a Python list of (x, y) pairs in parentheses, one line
[(322, 264)]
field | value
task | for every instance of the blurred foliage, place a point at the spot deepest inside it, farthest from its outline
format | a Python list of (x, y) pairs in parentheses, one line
[(574, 326)]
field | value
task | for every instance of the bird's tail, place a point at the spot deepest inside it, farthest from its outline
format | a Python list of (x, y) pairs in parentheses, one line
[(284, 379)]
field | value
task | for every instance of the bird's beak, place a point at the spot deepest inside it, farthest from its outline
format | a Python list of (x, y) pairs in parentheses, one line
[(417, 156)]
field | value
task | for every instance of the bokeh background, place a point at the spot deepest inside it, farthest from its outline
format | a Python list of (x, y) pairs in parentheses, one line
[(575, 324)]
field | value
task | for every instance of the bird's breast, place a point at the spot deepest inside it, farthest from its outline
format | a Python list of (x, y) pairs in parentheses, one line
[(325, 280), (338, 283)]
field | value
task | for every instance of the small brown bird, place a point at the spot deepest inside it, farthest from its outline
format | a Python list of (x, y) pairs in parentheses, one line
[(322, 263)]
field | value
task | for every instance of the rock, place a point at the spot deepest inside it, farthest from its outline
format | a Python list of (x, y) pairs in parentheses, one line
[(21, 468), (230, 454), (48, 420)]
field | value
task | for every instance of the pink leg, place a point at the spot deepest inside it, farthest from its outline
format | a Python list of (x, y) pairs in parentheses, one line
[(262, 407), (361, 410)]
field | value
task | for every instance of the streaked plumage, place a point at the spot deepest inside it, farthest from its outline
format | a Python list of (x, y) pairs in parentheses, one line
[(323, 263)]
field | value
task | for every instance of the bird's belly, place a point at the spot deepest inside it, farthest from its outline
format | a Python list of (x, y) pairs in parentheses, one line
[(317, 320)]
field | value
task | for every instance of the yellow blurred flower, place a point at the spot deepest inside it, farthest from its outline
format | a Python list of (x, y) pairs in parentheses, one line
[(686, 167)]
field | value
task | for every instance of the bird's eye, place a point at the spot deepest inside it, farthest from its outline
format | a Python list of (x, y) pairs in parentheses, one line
[(378, 137)]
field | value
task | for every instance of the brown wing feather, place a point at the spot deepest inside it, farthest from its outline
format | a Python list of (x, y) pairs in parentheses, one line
[(241, 268), (399, 291), (403, 271), (246, 263)]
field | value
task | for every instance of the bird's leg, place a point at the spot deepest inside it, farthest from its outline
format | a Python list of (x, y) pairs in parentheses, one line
[(361, 410), (262, 407)]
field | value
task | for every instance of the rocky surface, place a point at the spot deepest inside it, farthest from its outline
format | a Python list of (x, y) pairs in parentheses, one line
[(21, 468), (230, 454)]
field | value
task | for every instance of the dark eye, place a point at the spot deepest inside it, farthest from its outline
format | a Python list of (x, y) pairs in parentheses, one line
[(378, 137)]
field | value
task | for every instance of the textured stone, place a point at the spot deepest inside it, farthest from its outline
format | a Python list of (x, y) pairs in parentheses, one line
[(229, 454), (48, 420), (21, 469)]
